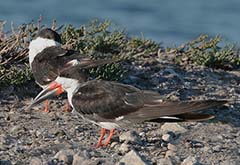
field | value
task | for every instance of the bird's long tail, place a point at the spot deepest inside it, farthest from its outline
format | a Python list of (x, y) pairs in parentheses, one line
[(155, 108)]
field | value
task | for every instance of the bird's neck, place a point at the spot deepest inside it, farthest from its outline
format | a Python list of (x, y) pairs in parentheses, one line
[(69, 85), (38, 45)]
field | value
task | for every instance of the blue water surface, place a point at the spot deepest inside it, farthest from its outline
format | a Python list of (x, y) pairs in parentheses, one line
[(172, 22)]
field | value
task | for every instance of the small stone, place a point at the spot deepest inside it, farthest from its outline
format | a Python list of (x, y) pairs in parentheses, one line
[(165, 161), (173, 127), (36, 161), (130, 136), (65, 155), (133, 158), (170, 153), (143, 134), (220, 137), (113, 144), (190, 161), (206, 149), (217, 148), (78, 159), (166, 137), (216, 138), (124, 148), (98, 161), (171, 147)]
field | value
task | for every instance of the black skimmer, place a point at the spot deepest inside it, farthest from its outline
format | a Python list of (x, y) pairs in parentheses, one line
[(48, 61), (113, 105)]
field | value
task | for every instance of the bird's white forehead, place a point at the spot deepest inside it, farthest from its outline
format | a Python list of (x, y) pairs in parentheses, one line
[(37, 45)]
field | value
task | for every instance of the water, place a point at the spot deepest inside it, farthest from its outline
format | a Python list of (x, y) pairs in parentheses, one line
[(171, 22)]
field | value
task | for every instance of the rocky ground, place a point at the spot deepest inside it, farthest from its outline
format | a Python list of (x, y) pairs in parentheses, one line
[(57, 137)]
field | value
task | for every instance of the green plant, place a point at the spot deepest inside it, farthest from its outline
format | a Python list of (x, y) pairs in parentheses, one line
[(205, 51), (15, 75)]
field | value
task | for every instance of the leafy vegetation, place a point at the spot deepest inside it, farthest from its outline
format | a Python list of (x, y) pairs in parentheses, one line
[(205, 51), (102, 40), (14, 76)]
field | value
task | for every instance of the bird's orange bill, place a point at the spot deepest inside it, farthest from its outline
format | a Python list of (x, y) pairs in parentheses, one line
[(53, 89), (50, 87)]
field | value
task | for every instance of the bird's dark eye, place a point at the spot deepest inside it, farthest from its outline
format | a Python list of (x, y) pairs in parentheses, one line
[(48, 37)]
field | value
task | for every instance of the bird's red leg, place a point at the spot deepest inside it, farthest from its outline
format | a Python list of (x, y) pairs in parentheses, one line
[(109, 137), (67, 108), (46, 106), (103, 131), (52, 86)]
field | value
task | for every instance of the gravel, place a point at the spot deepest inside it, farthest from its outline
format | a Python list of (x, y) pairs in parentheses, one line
[(36, 137)]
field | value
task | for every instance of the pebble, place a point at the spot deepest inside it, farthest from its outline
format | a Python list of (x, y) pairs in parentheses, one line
[(133, 158), (65, 156), (171, 147), (130, 136), (169, 153), (217, 148), (206, 149), (190, 161), (98, 161), (166, 137), (36, 161), (173, 127), (124, 148), (39, 133), (78, 159), (114, 144), (165, 161), (216, 138), (143, 134)]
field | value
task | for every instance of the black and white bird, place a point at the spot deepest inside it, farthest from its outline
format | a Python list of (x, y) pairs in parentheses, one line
[(49, 61), (113, 105)]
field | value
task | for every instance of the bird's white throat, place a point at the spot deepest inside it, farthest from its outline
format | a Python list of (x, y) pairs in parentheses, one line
[(37, 45), (69, 85)]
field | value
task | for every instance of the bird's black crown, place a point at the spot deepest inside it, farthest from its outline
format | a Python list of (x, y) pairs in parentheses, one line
[(49, 34)]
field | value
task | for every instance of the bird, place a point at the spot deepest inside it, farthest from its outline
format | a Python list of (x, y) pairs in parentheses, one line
[(112, 105), (48, 60)]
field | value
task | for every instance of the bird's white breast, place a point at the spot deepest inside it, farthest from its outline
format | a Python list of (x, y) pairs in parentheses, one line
[(108, 125)]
